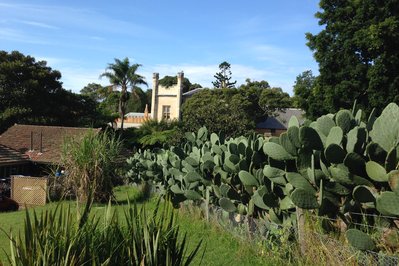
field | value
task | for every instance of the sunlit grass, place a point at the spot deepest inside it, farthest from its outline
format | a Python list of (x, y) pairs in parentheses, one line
[(221, 248)]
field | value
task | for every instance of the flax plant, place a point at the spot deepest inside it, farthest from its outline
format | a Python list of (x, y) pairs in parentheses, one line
[(138, 237)]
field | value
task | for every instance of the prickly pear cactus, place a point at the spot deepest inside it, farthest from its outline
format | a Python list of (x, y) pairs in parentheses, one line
[(336, 166)]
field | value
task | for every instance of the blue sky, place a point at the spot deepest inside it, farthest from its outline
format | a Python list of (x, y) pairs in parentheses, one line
[(261, 39)]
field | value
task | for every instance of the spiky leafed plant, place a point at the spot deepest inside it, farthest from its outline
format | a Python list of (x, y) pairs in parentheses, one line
[(89, 162), (123, 75), (138, 237), (155, 133)]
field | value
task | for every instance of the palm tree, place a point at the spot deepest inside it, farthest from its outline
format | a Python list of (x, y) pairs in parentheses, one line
[(123, 75)]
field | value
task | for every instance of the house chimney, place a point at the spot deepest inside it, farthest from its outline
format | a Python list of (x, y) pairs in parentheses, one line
[(41, 141), (146, 112), (31, 140), (154, 97)]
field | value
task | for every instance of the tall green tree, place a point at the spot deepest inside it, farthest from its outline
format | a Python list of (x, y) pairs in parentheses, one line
[(223, 77), (233, 112), (123, 75), (307, 95), (358, 54), (95, 91), (274, 99), (225, 111), (31, 92), (266, 101)]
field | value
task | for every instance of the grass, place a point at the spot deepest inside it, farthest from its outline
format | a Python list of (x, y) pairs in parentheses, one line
[(221, 248)]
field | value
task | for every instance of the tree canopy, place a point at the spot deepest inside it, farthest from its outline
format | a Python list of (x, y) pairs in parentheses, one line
[(169, 81), (123, 75), (266, 100), (96, 91), (233, 112), (224, 111), (307, 96), (31, 92), (358, 55), (223, 77)]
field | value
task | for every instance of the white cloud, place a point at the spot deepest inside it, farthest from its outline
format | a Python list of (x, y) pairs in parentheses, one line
[(17, 36), (203, 74), (270, 53), (37, 24), (57, 16)]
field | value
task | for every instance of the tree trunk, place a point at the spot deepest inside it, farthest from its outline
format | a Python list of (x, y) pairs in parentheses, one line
[(122, 107)]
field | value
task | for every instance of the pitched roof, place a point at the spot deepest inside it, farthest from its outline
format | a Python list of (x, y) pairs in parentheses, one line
[(284, 116), (9, 156), (40, 143), (190, 93), (281, 119), (270, 123)]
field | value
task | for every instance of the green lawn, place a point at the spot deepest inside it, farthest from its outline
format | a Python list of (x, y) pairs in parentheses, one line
[(221, 248)]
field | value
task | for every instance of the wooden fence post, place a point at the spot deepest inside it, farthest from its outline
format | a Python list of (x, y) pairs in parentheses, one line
[(300, 216)]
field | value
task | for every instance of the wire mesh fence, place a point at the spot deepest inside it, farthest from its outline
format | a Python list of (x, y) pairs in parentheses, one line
[(326, 249), (29, 190)]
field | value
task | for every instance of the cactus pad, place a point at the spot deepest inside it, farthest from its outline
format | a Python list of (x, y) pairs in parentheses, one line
[(293, 135), (335, 136), (393, 180), (192, 195), (324, 124), (334, 154), (298, 181), (388, 203), (310, 139), (344, 119), (359, 240), (304, 199), (363, 194), (276, 151), (386, 127), (376, 172), (247, 179), (227, 205)]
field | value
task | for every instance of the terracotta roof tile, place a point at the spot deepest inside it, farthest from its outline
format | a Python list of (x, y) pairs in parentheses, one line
[(9, 156), (41, 143)]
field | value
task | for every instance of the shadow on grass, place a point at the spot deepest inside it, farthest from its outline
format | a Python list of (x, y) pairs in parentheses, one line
[(138, 194)]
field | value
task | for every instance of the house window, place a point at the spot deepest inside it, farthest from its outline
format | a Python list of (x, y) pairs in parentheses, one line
[(166, 112)]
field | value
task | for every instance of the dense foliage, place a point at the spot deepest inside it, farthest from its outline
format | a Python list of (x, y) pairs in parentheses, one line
[(233, 112), (31, 92), (169, 81), (156, 134), (339, 166), (358, 56), (107, 99)]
